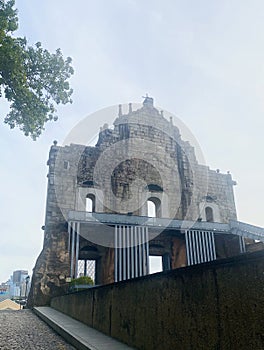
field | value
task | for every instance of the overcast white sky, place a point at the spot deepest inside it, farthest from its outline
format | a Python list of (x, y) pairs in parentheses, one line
[(201, 60)]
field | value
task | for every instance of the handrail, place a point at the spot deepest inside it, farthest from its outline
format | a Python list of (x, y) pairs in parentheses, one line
[(233, 227)]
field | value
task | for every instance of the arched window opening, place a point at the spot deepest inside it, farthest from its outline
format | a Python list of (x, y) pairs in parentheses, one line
[(151, 209), (209, 214), (90, 203), (154, 208)]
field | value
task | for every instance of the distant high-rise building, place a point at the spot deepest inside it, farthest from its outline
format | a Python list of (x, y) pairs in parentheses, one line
[(18, 283), (19, 276)]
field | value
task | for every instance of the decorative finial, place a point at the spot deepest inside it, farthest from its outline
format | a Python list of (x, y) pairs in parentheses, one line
[(130, 107), (148, 101), (119, 110), (171, 120), (161, 113), (55, 142)]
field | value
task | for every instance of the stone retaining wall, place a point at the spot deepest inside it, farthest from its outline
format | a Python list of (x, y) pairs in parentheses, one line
[(217, 305)]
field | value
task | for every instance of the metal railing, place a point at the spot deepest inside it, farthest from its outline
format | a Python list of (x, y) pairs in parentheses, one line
[(126, 219), (246, 230), (233, 227)]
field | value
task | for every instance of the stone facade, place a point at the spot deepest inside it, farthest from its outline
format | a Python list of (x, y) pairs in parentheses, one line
[(184, 187), (141, 158)]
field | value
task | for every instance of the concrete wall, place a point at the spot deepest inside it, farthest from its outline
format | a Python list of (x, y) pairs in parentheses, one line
[(210, 306)]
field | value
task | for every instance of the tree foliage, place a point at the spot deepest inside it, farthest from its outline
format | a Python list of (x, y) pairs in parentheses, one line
[(32, 79)]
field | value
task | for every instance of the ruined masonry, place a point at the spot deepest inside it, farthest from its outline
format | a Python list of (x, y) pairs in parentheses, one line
[(139, 192)]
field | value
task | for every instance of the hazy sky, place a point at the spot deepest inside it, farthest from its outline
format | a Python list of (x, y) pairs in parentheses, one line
[(201, 60)]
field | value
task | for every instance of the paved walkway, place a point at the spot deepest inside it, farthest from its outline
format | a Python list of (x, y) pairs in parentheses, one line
[(77, 333), (22, 329)]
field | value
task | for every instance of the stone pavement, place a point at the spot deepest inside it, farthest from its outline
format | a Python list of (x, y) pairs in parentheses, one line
[(22, 329)]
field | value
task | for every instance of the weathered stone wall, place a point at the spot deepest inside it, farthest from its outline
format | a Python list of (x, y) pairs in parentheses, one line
[(210, 306), (143, 149), (147, 148), (166, 161), (51, 269)]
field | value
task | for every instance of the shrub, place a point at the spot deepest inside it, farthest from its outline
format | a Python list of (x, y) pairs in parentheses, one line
[(83, 280)]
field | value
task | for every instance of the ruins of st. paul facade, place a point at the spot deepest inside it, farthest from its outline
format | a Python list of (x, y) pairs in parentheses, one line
[(139, 192)]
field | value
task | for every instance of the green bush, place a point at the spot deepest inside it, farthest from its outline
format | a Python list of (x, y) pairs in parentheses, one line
[(81, 281)]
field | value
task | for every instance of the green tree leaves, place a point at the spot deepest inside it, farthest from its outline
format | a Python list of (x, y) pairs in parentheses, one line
[(8, 18), (32, 79)]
